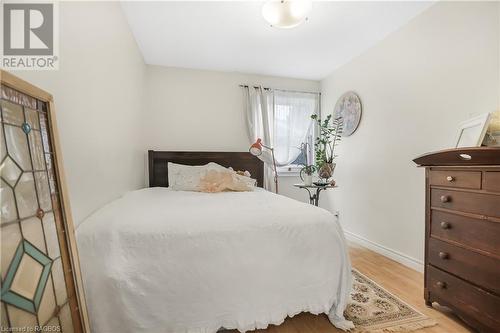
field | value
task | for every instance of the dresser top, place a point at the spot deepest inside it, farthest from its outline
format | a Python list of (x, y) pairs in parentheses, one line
[(461, 156)]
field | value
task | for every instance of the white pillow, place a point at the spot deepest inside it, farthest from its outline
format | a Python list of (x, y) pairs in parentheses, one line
[(187, 177)]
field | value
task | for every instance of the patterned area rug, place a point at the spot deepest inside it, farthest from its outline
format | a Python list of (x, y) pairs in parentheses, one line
[(373, 309)]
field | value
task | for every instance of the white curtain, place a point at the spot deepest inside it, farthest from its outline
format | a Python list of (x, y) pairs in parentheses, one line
[(259, 119), (282, 119), (292, 122)]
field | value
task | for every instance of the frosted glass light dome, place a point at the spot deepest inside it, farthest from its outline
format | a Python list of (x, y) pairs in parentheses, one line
[(286, 14)]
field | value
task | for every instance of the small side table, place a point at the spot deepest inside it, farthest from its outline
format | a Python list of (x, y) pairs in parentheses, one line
[(314, 195)]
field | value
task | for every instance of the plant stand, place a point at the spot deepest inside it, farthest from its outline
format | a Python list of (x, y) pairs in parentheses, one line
[(314, 191)]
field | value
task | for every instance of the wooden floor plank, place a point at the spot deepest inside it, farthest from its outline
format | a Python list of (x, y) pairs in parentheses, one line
[(400, 280)]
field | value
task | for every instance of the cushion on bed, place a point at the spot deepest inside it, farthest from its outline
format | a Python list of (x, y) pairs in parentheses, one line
[(225, 180), (209, 178)]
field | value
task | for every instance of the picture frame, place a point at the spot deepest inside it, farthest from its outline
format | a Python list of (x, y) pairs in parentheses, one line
[(472, 131), (492, 137)]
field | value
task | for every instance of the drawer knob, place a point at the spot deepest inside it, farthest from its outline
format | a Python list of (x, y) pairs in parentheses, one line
[(445, 198), (441, 284), (450, 179), (444, 255), (445, 225)]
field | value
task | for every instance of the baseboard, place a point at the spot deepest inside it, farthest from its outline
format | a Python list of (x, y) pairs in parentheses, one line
[(385, 251)]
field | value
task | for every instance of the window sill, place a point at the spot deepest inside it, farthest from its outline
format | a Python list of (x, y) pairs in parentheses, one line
[(288, 174), (291, 171)]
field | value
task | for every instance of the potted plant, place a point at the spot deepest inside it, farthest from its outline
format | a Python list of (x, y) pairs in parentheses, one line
[(328, 138), (307, 171), (306, 174)]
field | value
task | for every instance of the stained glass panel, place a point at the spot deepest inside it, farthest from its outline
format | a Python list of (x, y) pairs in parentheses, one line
[(45, 133), (5, 322), (3, 148), (32, 118), (50, 171), (65, 319), (21, 319), (12, 113), (52, 326), (27, 276), (10, 171), (35, 141), (26, 128), (49, 225), (11, 237), (8, 207), (17, 144), (33, 285), (26, 196), (59, 283), (33, 232), (48, 304), (17, 97), (22, 276), (42, 186)]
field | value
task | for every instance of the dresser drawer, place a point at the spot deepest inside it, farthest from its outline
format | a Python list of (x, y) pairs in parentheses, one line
[(477, 203), (491, 181), (475, 233), (471, 301), (466, 264), (455, 178)]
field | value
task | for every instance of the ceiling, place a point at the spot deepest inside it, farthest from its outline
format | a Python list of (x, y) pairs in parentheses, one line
[(233, 36)]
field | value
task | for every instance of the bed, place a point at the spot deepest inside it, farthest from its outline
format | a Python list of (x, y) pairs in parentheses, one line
[(158, 260)]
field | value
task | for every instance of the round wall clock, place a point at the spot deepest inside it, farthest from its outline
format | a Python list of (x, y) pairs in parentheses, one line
[(349, 108)]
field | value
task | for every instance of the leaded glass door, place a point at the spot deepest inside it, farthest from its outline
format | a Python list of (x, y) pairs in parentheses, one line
[(39, 290)]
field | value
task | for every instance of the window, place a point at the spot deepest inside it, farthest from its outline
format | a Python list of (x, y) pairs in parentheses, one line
[(294, 130)]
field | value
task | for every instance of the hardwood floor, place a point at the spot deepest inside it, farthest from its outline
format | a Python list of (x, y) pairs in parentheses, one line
[(394, 277)]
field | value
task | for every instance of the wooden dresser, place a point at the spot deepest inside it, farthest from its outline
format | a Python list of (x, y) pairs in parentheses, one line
[(462, 233)]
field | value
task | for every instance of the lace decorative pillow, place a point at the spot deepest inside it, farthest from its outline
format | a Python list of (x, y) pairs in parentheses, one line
[(225, 180), (211, 177)]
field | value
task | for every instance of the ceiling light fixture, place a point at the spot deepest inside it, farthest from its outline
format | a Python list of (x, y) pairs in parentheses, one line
[(286, 14)]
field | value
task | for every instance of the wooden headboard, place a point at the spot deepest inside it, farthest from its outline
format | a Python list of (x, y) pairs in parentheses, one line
[(158, 171)]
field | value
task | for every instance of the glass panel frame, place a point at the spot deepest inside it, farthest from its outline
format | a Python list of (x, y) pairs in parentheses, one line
[(37, 126)]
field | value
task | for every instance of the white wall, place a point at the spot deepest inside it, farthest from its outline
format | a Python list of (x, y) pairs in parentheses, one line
[(99, 105), (190, 109), (415, 86)]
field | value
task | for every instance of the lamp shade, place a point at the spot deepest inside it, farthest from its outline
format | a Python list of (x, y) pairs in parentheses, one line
[(256, 148), (286, 13)]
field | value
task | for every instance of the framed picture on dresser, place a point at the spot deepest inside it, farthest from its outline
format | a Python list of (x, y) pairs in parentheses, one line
[(472, 131)]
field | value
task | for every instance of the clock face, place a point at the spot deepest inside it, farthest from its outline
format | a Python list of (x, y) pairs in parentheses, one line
[(349, 108)]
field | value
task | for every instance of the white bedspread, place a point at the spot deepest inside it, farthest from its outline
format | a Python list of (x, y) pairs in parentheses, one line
[(158, 260)]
